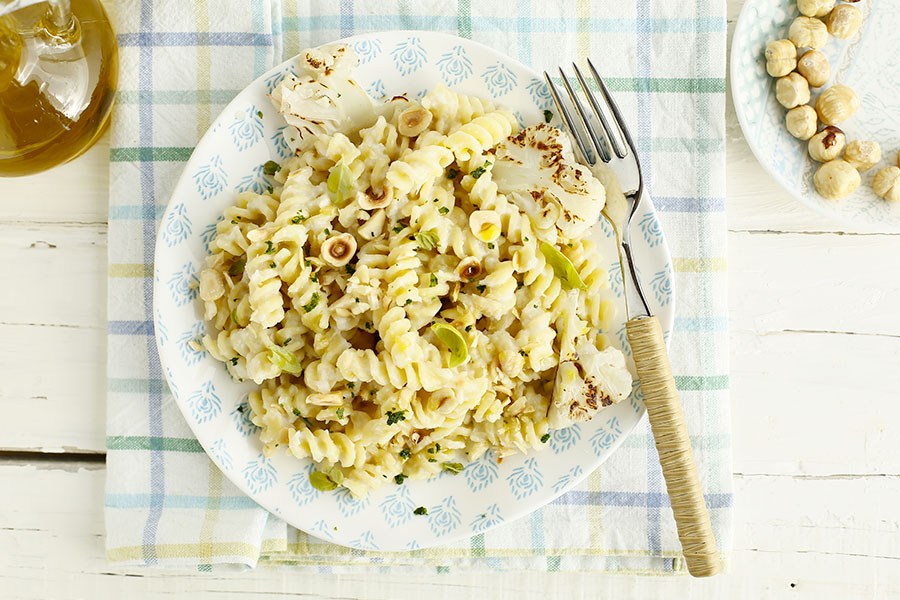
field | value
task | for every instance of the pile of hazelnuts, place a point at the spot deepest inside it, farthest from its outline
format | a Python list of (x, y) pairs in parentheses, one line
[(798, 64)]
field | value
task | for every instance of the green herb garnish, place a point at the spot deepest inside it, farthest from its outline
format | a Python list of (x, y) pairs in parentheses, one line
[(398, 479), (234, 361), (452, 467), (545, 438), (270, 248), (427, 240), (452, 173), (433, 280), (313, 302), (395, 416), (443, 210), (237, 267), (339, 412), (480, 170), (270, 167), (259, 114), (421, 511), (404, 454), (548, 116), (480, 288)]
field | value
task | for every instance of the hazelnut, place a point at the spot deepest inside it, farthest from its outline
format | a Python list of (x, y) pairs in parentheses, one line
[(339, 249), (369, 201), (862, 156), (887, 184), (836, 179), (325, 399), (808, 32), (813, 65), (837, 104), (815, 8), (212, 285), (414, 120), (781, 58), (485, 225), (844, 21), (792, 90), (801, 122), (827, 144), (372, 228), (469, 269)]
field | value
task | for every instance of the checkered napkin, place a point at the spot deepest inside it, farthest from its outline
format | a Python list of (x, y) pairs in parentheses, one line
[(181, 62)]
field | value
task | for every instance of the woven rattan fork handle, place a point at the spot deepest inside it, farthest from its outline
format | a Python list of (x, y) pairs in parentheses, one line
[(674, 446)]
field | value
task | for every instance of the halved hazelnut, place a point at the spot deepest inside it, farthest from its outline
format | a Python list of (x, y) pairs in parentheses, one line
[(368, 201), (374, 226), (339, 249), (485, 225), (469, 269), (413, 121), (454, 291), (325, 399)]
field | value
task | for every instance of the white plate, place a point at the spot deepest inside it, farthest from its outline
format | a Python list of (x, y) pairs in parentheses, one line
[(869, 63), (485, 494)]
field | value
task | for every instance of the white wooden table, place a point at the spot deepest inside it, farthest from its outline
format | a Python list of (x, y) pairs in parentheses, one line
[(815, 349)]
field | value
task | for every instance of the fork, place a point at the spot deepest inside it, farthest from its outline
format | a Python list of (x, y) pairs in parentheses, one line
[(614, 146)]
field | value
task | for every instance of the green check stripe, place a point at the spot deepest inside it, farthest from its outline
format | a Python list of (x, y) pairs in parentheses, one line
[(695, 383), (158, 153), (144, 442)]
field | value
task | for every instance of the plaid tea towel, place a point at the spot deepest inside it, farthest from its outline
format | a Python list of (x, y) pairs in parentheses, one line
[(181, 62)]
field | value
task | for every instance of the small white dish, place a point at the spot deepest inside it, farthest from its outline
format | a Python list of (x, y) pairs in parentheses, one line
[(230, 158), (868, 63)]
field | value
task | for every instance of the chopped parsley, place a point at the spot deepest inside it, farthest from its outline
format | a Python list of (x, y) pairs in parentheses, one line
[(397, 228), (395, 416), (234, 361), (368, 325), (259, 114), (468, 328), (237, 267), (548, 116), (432, 459), (443, 210), (433, 281), (270, 189), (350, 269), (545, 438), (398, 479), (339, 412), (408, 302), (241, 408), (480, 170), (421, 511), (270, 167), (452, 467), (351, 385), (523, 353), (404, 454), (452, 173), (433, 449), (305, 420), (286, 342), (298, 218), (270, 248), (327, 231), (427, 240), (314, 277), (272, 265), (519, 285), (480, 288), (313, 302)]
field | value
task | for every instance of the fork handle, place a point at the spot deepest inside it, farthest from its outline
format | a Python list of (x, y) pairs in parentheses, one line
[(674, 446)]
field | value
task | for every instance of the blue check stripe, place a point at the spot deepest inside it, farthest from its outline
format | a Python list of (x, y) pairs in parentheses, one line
[(191, 38)]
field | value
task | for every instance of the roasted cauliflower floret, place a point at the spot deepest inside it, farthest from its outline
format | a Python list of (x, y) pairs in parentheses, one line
[(589, 381)]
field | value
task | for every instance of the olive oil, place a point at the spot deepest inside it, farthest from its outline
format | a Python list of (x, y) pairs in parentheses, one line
[(58, 75)]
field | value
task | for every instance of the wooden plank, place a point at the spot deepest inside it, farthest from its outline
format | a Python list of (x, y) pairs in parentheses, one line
[(56, 375), (74, 192), (59, 272), (788, 535), (822, 282), (812, 403)]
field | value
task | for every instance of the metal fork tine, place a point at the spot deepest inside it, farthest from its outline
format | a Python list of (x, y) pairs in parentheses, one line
[(567, 119), (584, 118), (607, 132), (617, 116)]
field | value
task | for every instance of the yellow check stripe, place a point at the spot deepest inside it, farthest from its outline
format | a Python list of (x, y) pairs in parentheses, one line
[(130, 270), (699, 265), (249, 551)]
